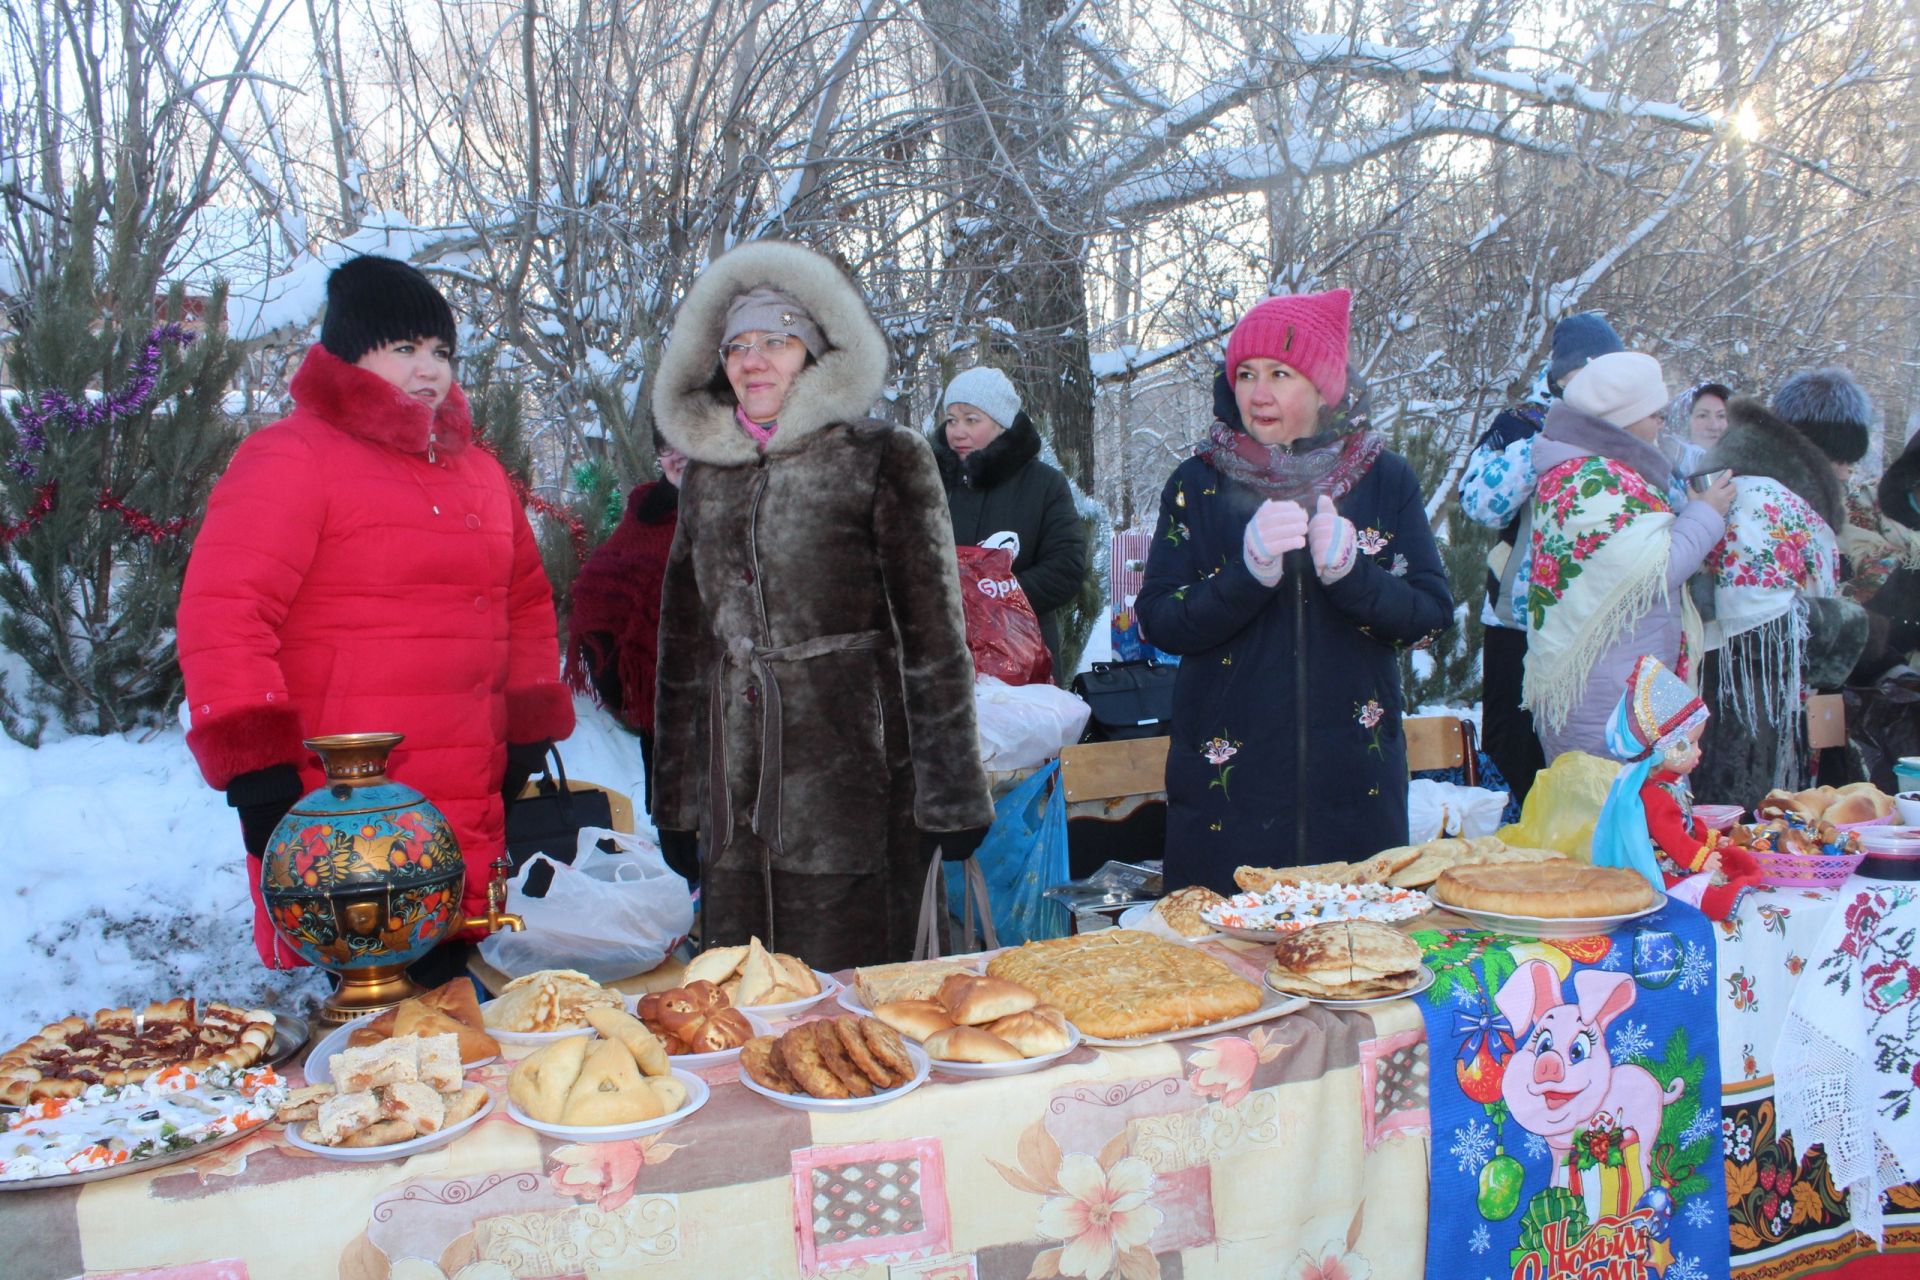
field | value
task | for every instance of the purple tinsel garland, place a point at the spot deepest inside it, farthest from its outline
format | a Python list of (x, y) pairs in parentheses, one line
[(84, 416)]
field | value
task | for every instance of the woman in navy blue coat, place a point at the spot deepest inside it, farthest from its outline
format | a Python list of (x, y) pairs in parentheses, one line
[(1291, 565)]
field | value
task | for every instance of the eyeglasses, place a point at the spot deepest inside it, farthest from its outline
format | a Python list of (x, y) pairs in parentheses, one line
[(771, 345)]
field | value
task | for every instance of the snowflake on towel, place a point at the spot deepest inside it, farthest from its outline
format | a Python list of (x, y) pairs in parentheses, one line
[(1696, 970), (1472, 1146)]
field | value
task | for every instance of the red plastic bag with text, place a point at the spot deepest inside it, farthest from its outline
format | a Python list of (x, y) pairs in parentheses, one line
[(1003, 632)]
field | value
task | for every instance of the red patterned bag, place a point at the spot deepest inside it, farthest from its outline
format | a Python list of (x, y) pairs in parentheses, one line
[(1003, 632)]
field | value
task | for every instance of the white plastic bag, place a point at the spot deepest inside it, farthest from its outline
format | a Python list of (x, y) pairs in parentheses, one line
[(609, 915), (1436, 809), (1024, 726)]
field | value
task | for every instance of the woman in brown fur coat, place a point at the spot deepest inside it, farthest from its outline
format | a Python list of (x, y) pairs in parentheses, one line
[(815, 708)]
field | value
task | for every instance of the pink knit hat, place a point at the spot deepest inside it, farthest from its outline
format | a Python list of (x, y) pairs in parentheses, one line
[(1305, 330)]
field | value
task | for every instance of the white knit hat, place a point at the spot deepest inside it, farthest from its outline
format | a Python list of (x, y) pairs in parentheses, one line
[(1621, 387), (986, 389)]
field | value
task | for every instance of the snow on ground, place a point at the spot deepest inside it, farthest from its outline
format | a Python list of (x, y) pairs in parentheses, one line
[(128, 871)]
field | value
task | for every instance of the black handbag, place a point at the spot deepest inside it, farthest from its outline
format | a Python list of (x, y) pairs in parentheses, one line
[(549, 821), (1129, 699)]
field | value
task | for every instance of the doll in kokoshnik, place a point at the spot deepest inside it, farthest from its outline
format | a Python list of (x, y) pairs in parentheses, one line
[(1647, 823)]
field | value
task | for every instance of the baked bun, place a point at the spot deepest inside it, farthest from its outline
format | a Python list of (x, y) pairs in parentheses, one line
[(634, 1036), (1559, 890), (975, 1001), (1180, 910), (541, 1081), (1853, 808), (1035, 1032), (915, 1019), (970, 1044), (609, 1090), (1882, 802)]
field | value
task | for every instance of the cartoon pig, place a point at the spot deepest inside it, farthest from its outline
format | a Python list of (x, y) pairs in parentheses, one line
[(1560, 1076)]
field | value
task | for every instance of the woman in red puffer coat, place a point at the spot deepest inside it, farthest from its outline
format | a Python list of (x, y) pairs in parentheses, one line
[(364, 567)]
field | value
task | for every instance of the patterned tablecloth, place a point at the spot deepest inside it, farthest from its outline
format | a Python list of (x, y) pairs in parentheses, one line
[(1295, 1148), (1786, 1215)]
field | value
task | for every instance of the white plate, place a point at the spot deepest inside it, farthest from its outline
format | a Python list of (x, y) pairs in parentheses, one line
[(829, 986), (393, 1150), (1420, 984), (629, 1003), (720, 1057), (318, 1069), (1272, 1005), (697, 1095), (1548, 926), (804, 1102), (992, 1070)]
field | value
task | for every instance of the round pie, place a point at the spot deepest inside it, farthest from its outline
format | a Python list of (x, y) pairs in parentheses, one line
[(1548, 890), (122, 1047)]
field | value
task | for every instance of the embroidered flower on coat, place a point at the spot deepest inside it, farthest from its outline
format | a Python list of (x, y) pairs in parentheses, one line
[(1218, 751), (1370, 713), (1371, 541), (1399, 569)]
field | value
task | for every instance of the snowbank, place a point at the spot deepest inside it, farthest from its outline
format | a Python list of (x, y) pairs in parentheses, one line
[(127, 869)]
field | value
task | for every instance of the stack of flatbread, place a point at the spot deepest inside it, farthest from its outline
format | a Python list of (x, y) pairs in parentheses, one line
[(1411, 866), (550, 1000), (1345, 960)]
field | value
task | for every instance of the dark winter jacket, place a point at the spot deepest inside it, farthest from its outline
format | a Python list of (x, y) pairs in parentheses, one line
[(815, 705), (614, 624), (364, 567), (1286, 745), (1004, 496)]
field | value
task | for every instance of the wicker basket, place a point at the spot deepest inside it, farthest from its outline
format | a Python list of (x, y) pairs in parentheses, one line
[(1806, 870)]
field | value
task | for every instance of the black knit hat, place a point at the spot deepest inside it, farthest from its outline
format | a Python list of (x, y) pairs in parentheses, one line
[(1830, 409), (373, 301)]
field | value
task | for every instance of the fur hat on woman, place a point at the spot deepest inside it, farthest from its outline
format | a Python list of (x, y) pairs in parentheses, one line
[(372, 301), (1305, 330), (1621, 388), (986, 389), (1829, 408)]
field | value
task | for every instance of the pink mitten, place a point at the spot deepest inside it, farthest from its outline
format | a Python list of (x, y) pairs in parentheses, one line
[(1276, 528), (1332, 538)]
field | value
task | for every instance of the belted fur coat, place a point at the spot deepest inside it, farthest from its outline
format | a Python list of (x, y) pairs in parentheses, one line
[(815, 699)]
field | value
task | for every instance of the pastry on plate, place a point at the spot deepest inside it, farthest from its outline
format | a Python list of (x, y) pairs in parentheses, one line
[(1345, 960), (540, 1082), (549, 1000), (1118, 983), (1560, 889), (1180, 910), (910, 980)]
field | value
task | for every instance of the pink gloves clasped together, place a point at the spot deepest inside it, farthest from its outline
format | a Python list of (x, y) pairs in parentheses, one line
[(1279, 527)]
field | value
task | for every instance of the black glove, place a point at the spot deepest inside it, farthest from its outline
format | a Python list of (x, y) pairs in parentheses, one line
[(954, 846), (524, 759), (262, 799), (682, 852)]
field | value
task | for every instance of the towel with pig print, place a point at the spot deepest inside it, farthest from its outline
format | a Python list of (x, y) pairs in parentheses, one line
[(1576, 1104)]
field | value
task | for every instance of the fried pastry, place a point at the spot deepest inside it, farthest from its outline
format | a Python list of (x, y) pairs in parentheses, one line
[(971, 1044), (631, 1033), (762, 1065), (915, 1019), (885, 1044), (834, 1055), (801, 1056), (854, 1043)]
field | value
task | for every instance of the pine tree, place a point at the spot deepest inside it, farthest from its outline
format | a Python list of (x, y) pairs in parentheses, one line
[(1454, 677), (108, 452)]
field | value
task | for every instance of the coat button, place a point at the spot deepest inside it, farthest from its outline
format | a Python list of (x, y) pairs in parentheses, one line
[(479, 604), (747, 576), (753, 695), (473, 521)]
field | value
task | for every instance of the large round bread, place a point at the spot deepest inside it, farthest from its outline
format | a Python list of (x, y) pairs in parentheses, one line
[(1558, 890)]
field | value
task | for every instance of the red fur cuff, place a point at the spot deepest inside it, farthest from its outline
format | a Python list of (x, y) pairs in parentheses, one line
[(537, 712), (243, 741)]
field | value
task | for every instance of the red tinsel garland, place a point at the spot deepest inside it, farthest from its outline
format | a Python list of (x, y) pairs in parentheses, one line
[(43, 503), (139, 521), (48, 497), (575, 526)]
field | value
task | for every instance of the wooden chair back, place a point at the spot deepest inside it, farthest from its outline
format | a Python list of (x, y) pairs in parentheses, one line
[(1441, 742)]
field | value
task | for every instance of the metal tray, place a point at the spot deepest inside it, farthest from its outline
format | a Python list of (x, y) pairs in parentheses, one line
[(290, 1033), (132, 1166)]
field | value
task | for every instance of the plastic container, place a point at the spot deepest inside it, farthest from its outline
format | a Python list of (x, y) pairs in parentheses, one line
[(1907, 805), (1906, 774), (1806, 870), (1718, 817), (1891, 853)]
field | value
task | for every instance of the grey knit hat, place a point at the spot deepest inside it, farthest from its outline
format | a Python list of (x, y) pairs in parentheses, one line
[(986, 389), (1830, 409)]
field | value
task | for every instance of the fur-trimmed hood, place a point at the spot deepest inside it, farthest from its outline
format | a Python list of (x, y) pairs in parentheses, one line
[(692, 403), (992, 466), (364, 404), (1761, 443)]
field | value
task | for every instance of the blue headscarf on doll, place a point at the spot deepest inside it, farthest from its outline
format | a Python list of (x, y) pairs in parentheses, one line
[(1657, 711)]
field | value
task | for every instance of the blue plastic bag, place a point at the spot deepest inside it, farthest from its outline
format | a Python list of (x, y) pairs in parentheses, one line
[(1024, 855)]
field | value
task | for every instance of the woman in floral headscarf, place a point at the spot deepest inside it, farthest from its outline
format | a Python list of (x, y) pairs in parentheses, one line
[(1291, 565)]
